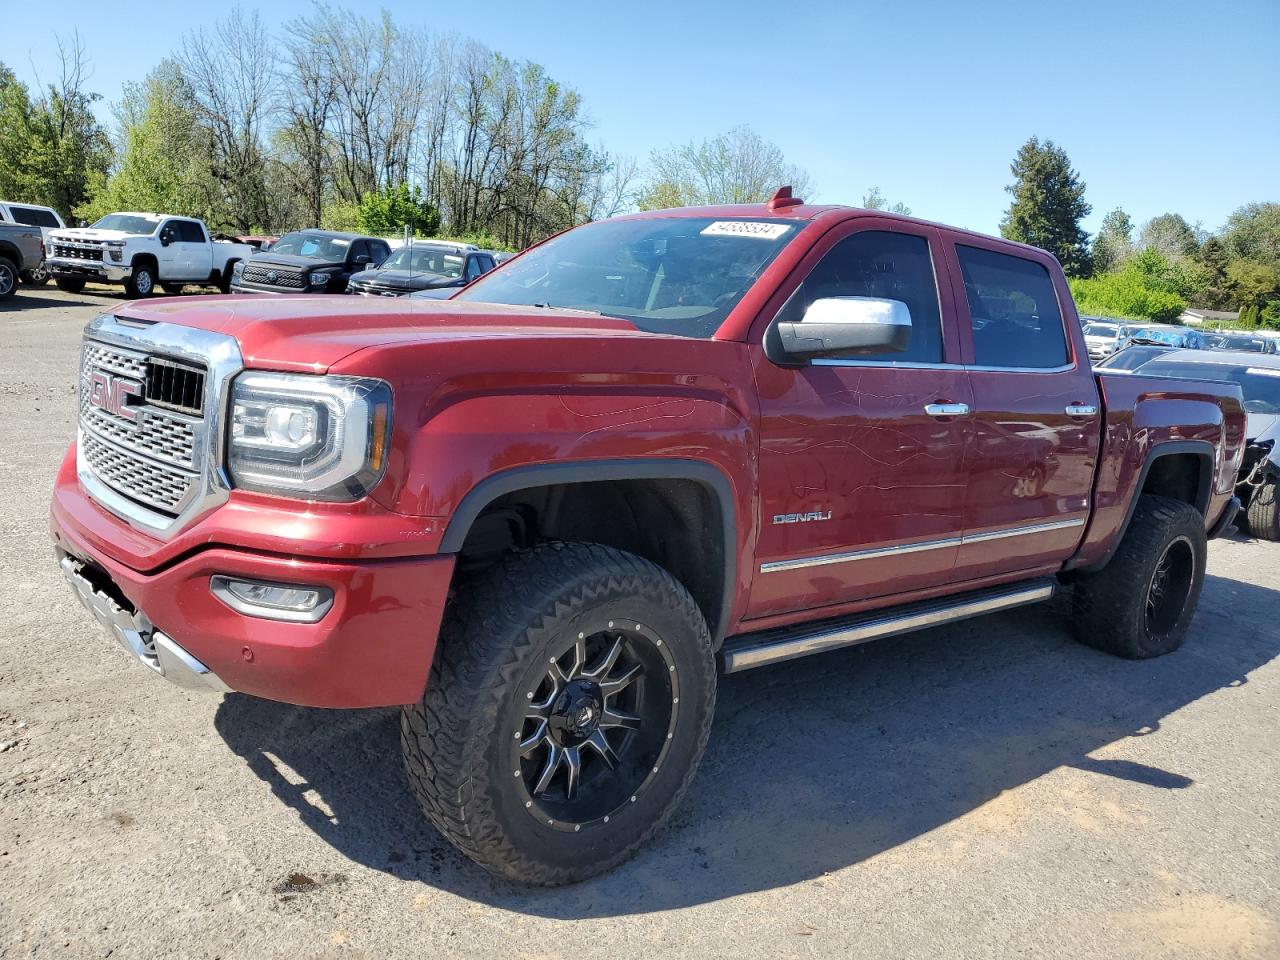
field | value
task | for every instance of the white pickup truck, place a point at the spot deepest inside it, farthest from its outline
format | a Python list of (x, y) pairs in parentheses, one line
[(142, 251)]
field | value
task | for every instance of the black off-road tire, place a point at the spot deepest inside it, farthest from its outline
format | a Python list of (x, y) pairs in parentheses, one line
[(1114, 610), (499, 633), (1264, 512), (8, 278), (224, 281), (141, 283), (68, 285)]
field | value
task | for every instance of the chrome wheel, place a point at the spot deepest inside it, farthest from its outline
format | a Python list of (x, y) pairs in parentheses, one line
[(597, 723), (8, 280)]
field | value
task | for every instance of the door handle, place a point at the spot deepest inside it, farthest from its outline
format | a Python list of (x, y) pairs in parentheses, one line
[(946, 409), (1081, 410)]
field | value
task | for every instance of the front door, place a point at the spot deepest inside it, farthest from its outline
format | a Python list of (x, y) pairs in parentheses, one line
[(1036, 414), (862, 473)]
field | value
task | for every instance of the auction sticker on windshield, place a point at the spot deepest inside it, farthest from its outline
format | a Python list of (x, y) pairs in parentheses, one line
[(746, 228), (1263, 371)]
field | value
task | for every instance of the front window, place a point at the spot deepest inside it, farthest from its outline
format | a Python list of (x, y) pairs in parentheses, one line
[(128, 223), (313, 247), (1245, 344), (440, 261), (1260, 385), (677, 275)]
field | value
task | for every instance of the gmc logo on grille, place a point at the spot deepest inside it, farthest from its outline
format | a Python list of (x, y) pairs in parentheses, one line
[(112, 395)]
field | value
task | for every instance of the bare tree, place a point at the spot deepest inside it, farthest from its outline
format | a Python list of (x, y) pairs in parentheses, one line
[(735, 167)]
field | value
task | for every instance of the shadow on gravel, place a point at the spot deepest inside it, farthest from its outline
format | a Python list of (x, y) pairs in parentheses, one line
[(813, 765)]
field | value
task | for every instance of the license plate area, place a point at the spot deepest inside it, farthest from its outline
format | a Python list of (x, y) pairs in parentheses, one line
[(100, 595)]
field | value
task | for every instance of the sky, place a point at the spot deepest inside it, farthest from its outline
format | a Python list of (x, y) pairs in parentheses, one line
[(1162, 105)]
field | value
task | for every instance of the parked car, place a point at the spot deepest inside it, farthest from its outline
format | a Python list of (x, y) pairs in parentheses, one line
[(143, 251), (422, 265), (309, 261), (1131, 357), (1103, 336), (1259, 380), (33, 215), (21, 252), (1242, 342), (544, 513), (1183, 338)]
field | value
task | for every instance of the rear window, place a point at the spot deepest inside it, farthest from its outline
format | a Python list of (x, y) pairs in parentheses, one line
[(33, 217), (1016, 320)]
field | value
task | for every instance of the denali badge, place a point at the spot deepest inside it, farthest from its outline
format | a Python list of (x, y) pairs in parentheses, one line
[(112, 395), (809, 517)]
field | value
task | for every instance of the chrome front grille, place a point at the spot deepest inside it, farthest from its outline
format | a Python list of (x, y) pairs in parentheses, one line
[(78, 250), (152, 403), (273, 276)]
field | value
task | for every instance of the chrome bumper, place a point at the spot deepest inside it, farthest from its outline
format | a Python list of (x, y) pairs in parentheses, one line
[(138, 635)]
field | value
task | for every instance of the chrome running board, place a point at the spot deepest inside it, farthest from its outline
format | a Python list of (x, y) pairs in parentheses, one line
[(749, 650)]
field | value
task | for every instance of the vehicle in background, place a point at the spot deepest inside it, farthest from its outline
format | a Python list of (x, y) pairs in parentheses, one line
[(499, 256), (259, 243), (1259, 379), (33, 215), (142, 251), (1241, 341), (423, 265), (1131, 357), (309, 261), (1182, 338), (21, 251), (1103, 336), (545, 514)]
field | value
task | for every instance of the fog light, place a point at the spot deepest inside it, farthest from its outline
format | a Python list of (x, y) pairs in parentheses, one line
[(273, 601)]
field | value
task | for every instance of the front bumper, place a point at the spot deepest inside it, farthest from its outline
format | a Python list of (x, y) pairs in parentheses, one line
[(373, 648), (69, 267)]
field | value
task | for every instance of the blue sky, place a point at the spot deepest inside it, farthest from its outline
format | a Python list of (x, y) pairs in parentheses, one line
[(1165, 105)]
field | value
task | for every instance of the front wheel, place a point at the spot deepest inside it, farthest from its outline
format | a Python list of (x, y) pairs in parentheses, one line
[(141, 283), (567, 709), (8, 278), (1141, 603)]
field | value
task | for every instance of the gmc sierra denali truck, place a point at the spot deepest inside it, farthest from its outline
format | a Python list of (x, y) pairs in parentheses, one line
[(543, 516)]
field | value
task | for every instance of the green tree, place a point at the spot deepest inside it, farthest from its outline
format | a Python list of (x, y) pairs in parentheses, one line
[(735, 167), (1253, 233), (1114, 243), (387, 212), (873, 199), (1171, 235), (1048, 205), (1252, 285)]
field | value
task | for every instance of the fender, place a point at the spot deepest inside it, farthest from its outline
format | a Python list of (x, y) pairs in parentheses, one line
[(1202, 449), (654, 468)]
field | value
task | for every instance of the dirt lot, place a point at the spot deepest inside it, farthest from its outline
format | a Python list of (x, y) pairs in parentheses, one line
[(986, 790)]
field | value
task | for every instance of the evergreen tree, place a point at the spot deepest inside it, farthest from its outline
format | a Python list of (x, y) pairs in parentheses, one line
[(1048, 205)]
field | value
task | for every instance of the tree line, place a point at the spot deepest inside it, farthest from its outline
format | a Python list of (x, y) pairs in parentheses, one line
[(1148, 272)]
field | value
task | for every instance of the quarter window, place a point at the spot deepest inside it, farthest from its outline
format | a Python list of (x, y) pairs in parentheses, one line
[(1016, 320), (877, 263)]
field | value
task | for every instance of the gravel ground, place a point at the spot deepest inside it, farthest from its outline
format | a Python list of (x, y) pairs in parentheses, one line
[(986, 790)]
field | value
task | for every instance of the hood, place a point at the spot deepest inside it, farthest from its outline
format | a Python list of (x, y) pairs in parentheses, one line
[(293, 261), (310, 333), (402, 279), (89, 233), (1262, 426)]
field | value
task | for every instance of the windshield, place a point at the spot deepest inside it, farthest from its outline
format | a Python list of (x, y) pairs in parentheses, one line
[(312, 247), (1246, 344), (128, 223), (438, 260), (678, 275), (1260, 385), (1101, 330)]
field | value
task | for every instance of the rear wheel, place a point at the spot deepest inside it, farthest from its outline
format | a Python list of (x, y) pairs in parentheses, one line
[(1141, 604), (1264, 512), (67, 285), (37, 277), (141, 283), (8, 278), (567, 709)]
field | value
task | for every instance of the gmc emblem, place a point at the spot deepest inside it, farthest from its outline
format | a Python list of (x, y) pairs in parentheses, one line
[(112, 395)]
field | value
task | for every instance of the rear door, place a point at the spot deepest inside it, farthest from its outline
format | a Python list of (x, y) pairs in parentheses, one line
[(1036, 413), (195, 251), (862, 480)]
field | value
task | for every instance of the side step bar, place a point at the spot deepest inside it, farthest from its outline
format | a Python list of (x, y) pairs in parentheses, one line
[(749, 650)]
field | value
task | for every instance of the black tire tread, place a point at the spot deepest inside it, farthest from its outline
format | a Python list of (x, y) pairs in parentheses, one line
[(458, 713), (13, 272), (1263, 512), (1107, 603)]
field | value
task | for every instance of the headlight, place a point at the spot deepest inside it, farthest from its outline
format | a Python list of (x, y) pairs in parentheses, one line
[(319, 279), (318, 438)]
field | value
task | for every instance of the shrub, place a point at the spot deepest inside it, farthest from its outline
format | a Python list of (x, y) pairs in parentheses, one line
[(1127, 294), (386, 213)]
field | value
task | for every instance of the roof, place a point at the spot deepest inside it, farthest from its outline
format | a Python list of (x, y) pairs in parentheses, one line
[(1212, 314), (1225, 358), (340, 234)]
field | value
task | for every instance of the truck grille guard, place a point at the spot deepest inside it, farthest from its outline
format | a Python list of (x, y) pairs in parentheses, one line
[(152, 405)]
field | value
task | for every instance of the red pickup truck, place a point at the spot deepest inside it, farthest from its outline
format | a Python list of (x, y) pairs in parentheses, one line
[(544, 515)]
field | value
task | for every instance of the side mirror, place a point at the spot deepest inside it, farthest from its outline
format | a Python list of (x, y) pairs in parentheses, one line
[(363, 258), (848, 325)]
